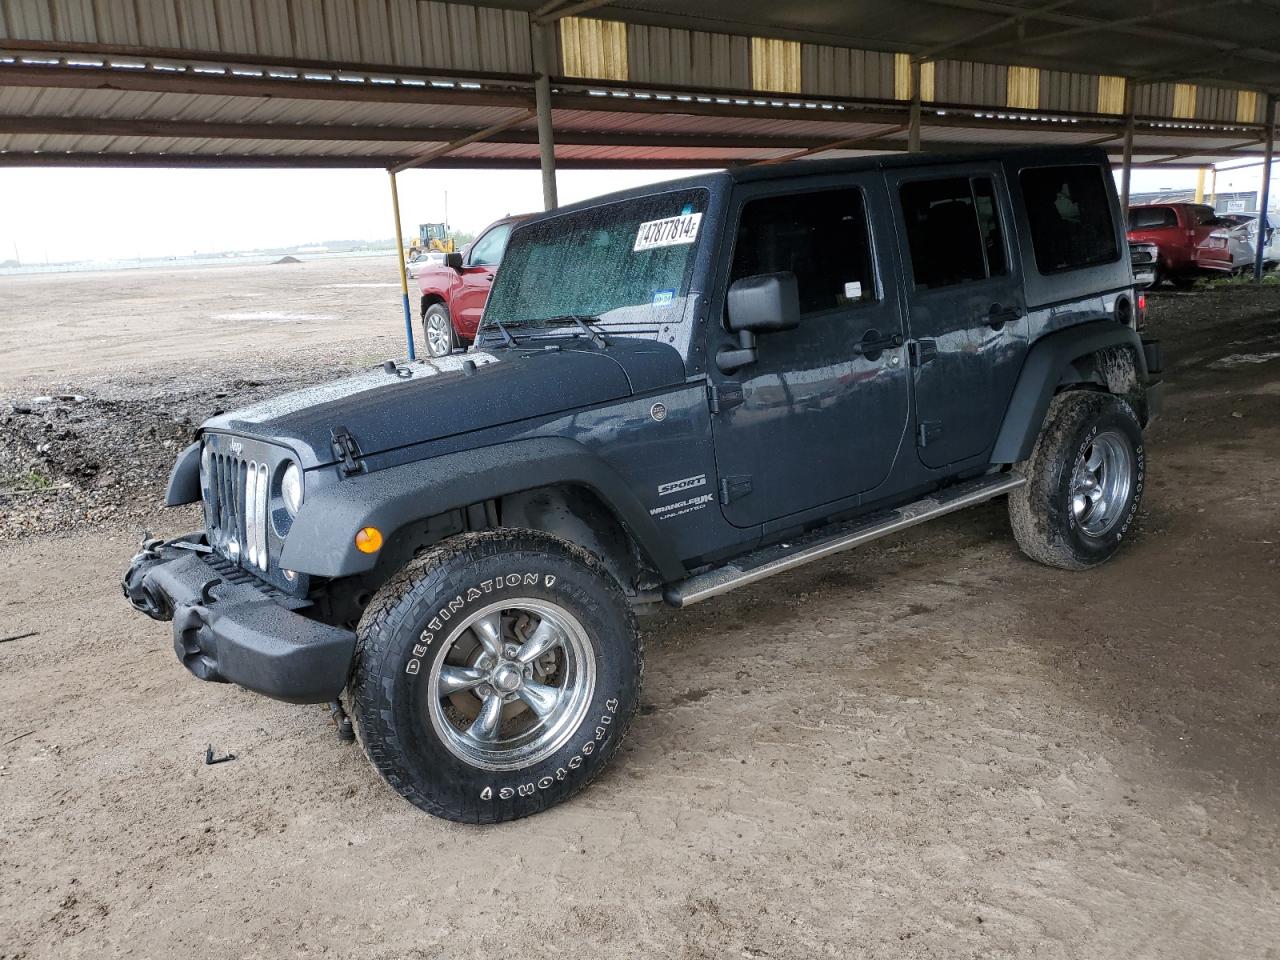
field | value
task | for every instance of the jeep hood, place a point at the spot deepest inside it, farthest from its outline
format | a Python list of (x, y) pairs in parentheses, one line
[(449, 396)]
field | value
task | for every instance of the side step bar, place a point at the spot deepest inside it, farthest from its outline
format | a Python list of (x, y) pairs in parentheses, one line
[(824, 543)]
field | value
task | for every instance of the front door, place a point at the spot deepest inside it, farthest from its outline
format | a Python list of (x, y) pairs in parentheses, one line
[(476, 281), (966, 308), (819, 416)]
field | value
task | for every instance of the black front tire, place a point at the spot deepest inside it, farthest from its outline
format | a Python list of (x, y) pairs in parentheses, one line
[(418, 619), (1047, 526)]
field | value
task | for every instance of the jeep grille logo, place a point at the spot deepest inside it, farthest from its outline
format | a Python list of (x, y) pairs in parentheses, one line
[(237, 447)]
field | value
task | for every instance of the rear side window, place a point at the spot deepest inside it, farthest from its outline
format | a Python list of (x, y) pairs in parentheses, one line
[(953, 231), (1069, 209), (1152, 218), (820, 237)]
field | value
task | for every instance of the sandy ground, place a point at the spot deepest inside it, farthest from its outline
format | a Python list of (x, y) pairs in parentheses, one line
[(930, 748), (64, 328)]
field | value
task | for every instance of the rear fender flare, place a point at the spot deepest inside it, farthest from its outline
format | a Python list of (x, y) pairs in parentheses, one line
[(321, 541), (1047, 366)]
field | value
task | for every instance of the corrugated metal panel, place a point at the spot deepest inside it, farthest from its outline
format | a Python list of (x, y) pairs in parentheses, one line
[(1248, 107), (688, 58), (1022, 87), (1076, 92), (1185, 96), (775, 65), (159, 28), (593, 49), (272, 34), (27, 19), (342, 30), (307, 28), (980, 84), (197, 25), (459, 37), (73, 21), (1111, 94), (118, 19), (1153, 100), (236, 31), (842, 72), (1216, 103)]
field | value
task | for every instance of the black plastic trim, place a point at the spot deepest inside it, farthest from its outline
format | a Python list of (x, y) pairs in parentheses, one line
[(321, 541), (184, 478), (1047, 362)]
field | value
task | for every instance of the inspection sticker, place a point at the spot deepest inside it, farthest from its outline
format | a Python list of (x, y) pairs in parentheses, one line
[(670, 232)]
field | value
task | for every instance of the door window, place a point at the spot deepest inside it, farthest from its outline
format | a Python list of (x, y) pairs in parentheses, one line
[(1069, 209), (953, 231), (820, 237), (487, 251)]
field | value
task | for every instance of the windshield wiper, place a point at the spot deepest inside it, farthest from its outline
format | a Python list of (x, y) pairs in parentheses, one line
[(584, 322), (506, 335)]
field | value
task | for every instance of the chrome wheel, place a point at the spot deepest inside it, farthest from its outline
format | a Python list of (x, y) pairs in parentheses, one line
[(1100, 483), (439, 332), (512, 684)]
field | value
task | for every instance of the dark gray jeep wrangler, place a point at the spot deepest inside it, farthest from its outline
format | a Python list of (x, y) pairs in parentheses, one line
[(675, 391)]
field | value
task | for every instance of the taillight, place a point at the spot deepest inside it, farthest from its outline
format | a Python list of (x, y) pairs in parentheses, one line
[(1140, 318)]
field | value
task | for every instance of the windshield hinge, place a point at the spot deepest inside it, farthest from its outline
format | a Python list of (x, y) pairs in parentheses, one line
[(723, 396), (346, 450)]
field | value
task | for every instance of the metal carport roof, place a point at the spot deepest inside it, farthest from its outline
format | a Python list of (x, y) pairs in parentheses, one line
[(389, 82)]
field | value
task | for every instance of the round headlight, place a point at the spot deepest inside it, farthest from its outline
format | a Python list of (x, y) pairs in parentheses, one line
[(206, 468), (291, 488)]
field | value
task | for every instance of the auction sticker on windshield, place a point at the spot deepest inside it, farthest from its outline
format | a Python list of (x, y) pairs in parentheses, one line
[(670, 232)]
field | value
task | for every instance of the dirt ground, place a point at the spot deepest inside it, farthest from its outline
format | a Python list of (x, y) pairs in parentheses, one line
[(929, 748)]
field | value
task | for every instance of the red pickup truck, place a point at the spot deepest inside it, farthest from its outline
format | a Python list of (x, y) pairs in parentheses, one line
[(454, 292), (1193, 241)]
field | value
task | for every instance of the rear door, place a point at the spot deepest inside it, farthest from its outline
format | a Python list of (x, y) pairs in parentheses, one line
[(819, 416), (965, 303)]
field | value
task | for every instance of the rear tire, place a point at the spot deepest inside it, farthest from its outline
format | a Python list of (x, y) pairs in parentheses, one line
[(496, 675), (1084, 482)]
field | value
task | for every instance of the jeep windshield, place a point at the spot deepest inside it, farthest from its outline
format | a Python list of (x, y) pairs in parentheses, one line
[(627, 264)]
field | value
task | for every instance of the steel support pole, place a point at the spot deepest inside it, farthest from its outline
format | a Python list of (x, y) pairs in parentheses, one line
[(1265, 199), (540, 36), (1126, 167), (404, 273), (913, 128), (1200, 185)]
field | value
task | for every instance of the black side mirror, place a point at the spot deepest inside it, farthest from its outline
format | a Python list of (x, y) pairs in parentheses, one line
[(765, 303), (453, 260)]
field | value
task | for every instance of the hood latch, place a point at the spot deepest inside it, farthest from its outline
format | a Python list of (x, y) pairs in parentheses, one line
[(346, 450)]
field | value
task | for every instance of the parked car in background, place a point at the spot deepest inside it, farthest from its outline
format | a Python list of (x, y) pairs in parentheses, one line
[(1192, 239), (454, 291), (1143, 257), (432, 258), (1249, 221)]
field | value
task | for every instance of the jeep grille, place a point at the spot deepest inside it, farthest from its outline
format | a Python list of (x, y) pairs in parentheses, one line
[(236, 509)]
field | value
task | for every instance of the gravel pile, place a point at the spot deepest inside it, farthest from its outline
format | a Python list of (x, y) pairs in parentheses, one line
[(100, 456)]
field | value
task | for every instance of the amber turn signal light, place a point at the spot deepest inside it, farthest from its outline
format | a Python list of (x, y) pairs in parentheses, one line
[(369, 540)]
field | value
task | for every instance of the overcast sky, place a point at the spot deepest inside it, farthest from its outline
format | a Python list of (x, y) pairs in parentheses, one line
[(60, 214)]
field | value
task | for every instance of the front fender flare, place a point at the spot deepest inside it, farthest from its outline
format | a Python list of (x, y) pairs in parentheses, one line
[(1046, 365), (321, 541)]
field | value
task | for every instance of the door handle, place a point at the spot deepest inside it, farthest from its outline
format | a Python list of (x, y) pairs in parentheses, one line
[(998, 316), (874, 343)]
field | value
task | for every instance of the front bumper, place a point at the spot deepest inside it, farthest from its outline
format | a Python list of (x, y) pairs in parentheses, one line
[(234, 632)]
